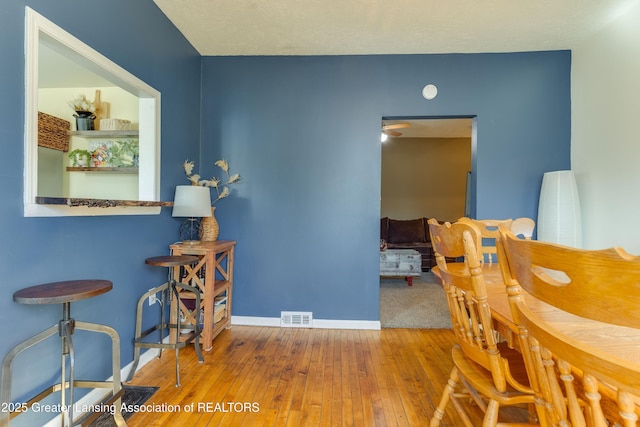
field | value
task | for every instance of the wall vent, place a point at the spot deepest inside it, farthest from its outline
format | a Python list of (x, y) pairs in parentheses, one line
[(296, 319)]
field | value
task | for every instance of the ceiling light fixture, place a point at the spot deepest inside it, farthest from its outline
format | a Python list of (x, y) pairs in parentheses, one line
[(429, 91)]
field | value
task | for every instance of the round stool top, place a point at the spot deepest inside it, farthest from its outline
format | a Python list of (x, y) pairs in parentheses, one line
[(172, 260), (61, 292)]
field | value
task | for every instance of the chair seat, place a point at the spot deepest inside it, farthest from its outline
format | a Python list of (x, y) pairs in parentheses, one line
[(62, 292), (171, 260), (480, 379)]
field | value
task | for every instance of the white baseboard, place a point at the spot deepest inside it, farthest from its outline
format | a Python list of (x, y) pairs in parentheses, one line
[(317, 323), (254, 321)]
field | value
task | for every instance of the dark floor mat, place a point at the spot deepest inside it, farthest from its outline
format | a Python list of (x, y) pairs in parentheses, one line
[(132, 396)]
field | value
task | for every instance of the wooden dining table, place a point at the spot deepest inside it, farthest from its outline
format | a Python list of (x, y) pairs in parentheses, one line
[(618, 341)]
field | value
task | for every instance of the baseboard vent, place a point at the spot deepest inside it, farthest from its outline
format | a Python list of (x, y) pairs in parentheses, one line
[(296, 319)]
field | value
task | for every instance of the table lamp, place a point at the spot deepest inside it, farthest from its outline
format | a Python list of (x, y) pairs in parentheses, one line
[(192, 202)]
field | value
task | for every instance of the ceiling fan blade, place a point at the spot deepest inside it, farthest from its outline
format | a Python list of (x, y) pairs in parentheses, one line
[(392, 132), (396, 126)]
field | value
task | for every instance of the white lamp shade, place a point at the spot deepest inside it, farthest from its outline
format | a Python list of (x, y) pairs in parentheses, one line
[(192, 201), (559, 217)]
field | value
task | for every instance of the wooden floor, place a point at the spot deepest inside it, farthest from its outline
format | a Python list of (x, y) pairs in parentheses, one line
[(263, 376)]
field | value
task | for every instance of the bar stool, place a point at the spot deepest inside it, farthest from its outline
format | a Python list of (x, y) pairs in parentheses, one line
[(64, 293), (170, 291)]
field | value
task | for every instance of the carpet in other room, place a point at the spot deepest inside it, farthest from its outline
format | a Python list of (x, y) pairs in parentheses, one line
[(423, 305)]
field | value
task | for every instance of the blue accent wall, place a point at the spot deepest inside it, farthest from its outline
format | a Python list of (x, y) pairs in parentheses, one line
[(302, 131), (137, 36), (305, 134)]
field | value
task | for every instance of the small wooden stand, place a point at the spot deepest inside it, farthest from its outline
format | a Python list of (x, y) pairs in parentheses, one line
[(213, 275)]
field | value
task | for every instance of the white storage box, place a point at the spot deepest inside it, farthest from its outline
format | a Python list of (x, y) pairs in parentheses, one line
[(115, 124), (400, 262)]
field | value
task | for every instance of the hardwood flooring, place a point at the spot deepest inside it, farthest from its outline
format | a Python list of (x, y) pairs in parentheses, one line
[(264, 376)]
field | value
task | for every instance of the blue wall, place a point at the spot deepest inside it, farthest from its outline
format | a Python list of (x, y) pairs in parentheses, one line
[(305, 134), (137, 36)]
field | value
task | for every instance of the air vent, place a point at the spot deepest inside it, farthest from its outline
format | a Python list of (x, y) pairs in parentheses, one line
[(296, 319)]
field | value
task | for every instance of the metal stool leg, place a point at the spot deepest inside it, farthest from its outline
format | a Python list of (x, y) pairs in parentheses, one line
[(169, 291), (65, 329), (174, 291), (116, 383), (7, 367), (197, 327), (174, 294), (170, 295), (139, 334)]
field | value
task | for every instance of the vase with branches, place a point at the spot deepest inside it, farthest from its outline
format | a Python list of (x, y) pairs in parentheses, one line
[(209, 228)]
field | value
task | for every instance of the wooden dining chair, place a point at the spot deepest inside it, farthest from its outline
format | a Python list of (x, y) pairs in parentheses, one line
[(492, 374), (523, 227), (579, 383), (489, 230)]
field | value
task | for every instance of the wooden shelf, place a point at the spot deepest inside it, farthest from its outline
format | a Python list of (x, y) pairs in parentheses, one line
[(221, 324), (221, 286), (104, 169), (102, 203), (104, 133)]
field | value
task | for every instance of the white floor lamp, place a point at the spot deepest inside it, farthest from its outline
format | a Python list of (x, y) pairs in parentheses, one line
[(559, 217)]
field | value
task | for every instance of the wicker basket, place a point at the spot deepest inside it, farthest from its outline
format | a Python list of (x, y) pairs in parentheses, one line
[(53, 132), (209, 228)]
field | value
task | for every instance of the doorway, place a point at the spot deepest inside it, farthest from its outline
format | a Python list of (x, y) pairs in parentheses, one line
[(426, 172)]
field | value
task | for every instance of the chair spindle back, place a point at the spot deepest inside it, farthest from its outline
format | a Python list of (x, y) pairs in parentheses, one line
[(580, 384)]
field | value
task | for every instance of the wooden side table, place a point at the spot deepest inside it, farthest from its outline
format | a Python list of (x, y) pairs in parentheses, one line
[(213, 275)]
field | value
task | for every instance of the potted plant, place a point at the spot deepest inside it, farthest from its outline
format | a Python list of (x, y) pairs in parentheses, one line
[(79, 157)]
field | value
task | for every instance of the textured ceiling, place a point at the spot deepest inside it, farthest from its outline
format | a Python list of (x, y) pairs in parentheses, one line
[(348, 27)]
